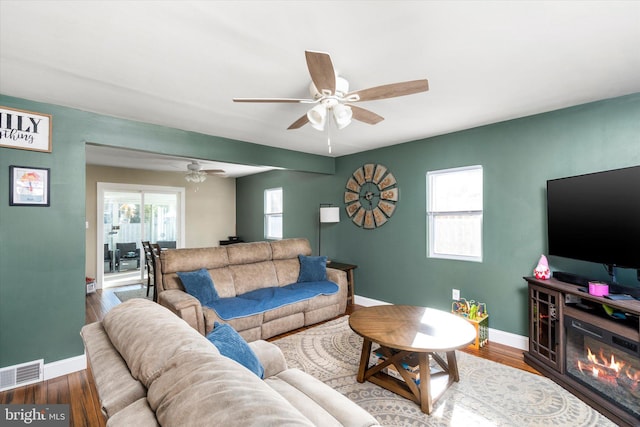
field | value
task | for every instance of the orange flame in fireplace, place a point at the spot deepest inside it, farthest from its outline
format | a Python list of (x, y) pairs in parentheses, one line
[(616, 366), (611, 371), (602, 369)]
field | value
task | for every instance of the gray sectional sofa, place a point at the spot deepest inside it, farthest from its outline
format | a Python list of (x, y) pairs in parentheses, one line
[(151, 368), (246, 269)]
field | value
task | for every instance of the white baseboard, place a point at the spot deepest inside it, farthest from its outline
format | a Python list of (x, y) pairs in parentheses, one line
[(64, 367), (368, 302), (507, 338), (495, 335)]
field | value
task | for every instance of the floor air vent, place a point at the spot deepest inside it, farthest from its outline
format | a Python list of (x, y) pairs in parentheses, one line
[(23, 374)]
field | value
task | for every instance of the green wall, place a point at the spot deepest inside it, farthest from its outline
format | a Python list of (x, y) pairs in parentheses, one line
[(42, 253), (518, 157), (302, 195), (42, 250)]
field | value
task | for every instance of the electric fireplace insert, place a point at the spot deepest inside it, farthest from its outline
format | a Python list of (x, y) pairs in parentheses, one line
[(605, 361)]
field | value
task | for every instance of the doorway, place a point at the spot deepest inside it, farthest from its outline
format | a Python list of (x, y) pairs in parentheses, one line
[(127, 215)]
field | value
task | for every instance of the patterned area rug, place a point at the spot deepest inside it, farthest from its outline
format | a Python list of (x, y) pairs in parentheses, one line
[(134, 293), (488, 394)]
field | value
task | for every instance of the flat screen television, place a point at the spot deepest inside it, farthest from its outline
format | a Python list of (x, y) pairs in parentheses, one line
[(596, 217)]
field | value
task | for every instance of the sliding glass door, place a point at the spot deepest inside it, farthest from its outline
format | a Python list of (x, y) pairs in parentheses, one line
[(128, 215), (161, 215), (122, 234)]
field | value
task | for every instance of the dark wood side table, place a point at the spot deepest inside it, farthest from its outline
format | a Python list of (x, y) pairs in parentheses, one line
[(347, 268)]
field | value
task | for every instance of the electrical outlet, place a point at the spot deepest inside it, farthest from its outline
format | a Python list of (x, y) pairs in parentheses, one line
[(455, 294)]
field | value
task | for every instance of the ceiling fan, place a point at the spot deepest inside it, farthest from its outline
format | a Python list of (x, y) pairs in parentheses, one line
[(195, 173), (330, 94)]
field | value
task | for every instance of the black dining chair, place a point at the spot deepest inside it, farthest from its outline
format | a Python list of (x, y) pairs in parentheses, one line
[(149, 264)]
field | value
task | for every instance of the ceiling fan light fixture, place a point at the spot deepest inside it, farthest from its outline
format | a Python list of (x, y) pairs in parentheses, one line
[(317, 116), (342, 115), (330, 94), (194, 172), (195, 176)]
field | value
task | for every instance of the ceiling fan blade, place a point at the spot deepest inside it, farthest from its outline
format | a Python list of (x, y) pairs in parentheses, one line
[(294, 100), (299, 123), (213, 171), (321, 70), (392, 90), (365, 116)]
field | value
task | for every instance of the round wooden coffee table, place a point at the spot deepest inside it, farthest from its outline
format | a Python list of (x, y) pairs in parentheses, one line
[(404, 332)]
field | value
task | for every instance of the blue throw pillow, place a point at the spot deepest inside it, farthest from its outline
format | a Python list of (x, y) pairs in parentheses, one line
[(199, 284), (233, 346), (312, 268)]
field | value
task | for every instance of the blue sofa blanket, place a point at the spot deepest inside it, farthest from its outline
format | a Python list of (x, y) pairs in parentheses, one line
[(266, 299)]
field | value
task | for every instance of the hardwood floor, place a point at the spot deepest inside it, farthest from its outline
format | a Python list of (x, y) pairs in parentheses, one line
[(78, 389)]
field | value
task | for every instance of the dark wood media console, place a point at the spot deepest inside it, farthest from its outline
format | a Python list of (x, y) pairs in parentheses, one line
[(561, 314)]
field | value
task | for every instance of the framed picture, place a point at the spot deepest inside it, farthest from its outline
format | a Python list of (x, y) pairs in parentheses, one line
[(28, 186), (25, 130)]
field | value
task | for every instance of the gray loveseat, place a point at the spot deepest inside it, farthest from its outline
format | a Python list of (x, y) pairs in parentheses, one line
[(151, 368), (244, 268)]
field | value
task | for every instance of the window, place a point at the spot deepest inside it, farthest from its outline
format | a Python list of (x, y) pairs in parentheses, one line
[(273, 213), (454, 213)]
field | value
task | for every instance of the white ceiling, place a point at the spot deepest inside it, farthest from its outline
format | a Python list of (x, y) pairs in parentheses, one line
[(180, 63)]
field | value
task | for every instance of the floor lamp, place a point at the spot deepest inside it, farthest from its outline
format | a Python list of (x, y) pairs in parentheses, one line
[(328, 214)]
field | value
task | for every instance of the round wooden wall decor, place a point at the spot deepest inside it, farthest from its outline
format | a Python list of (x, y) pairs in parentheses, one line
[(371, 196)]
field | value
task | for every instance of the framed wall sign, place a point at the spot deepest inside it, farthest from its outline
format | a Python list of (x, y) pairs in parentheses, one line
[(28, 186), (25, 130)]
